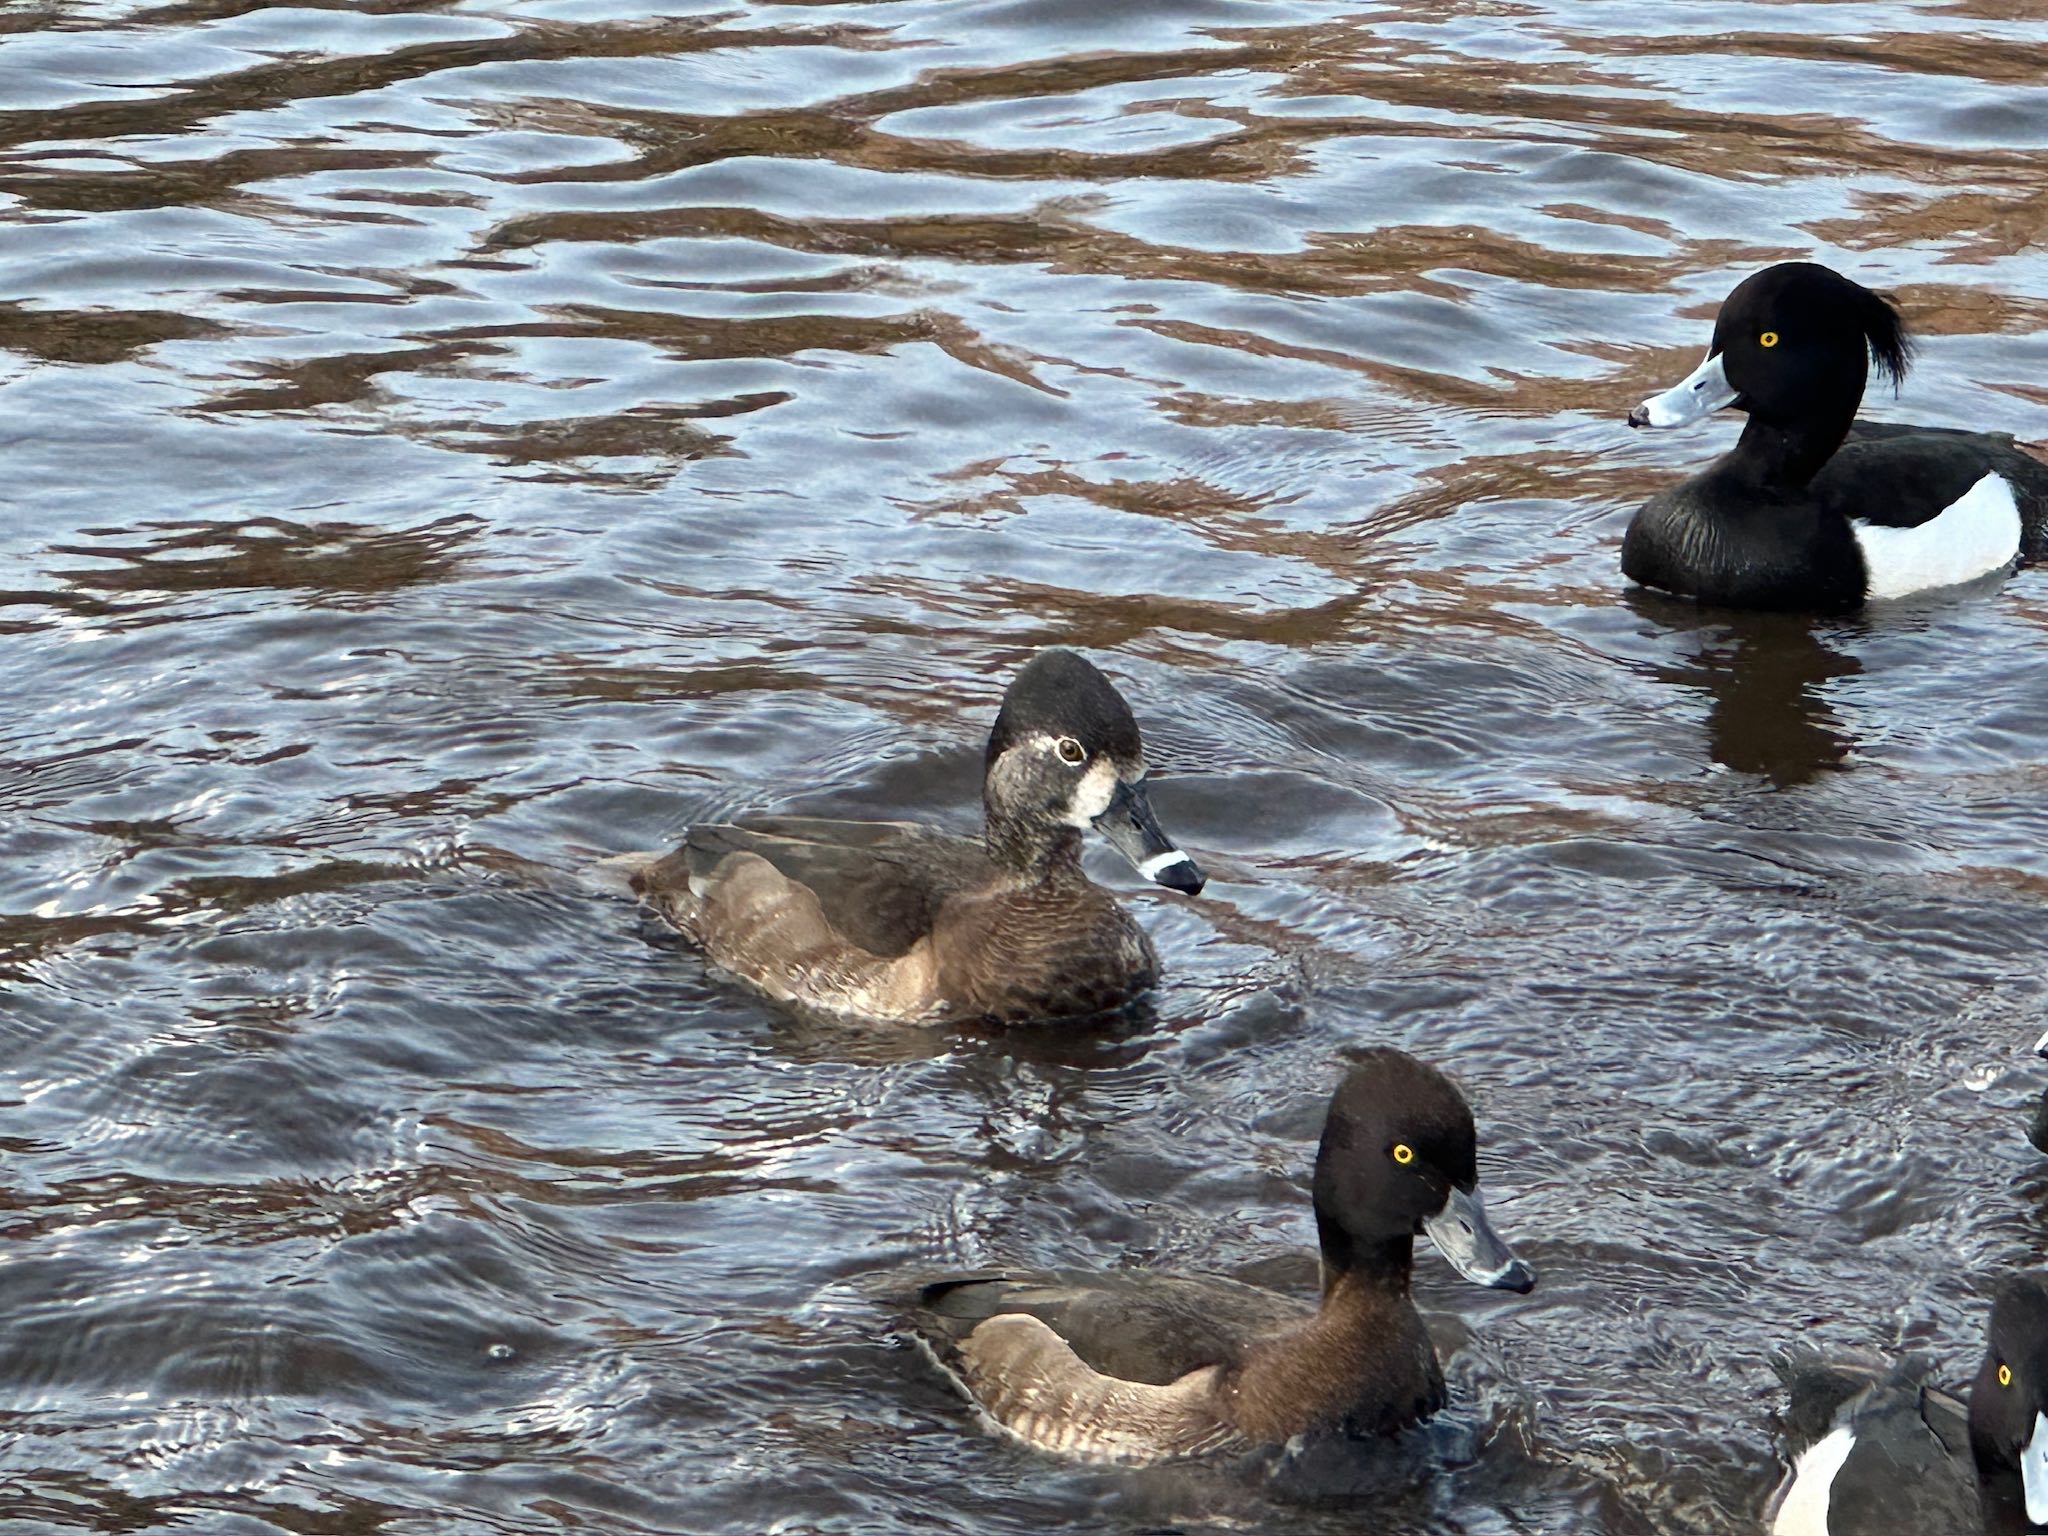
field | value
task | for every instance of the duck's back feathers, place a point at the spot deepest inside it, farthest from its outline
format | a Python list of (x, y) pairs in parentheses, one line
[(893, 920), (1900, 476), (1818, 1386), (876, 883), (1140, 1327), (1267, 1367)]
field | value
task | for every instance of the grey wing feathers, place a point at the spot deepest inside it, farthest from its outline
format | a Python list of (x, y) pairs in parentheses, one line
[(1137, 1327), (1818, 1387), (1949, 1417), (1026, 1378), (876, 883)]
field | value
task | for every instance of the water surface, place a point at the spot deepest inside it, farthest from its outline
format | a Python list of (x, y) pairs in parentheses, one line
[(443, 443)]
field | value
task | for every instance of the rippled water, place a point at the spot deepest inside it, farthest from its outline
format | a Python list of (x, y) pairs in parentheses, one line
[(445, 443)]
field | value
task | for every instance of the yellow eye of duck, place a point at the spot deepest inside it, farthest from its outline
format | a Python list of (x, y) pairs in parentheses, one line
[(1403, 1153), (1071, 751), (2005, 1375), (1769, 338)]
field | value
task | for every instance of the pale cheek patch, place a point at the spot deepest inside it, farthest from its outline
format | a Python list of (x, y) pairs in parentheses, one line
[(1092, 795), (1804, 1511), (1974, 535)]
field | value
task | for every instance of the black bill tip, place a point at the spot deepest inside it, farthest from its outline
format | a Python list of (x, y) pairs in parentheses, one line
[(1176, 871), (1517, 1277)]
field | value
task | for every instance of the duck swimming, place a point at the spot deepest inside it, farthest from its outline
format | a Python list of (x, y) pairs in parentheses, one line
[(1895, 1454), (896, 921), (1139, 1367), (1814, 510)]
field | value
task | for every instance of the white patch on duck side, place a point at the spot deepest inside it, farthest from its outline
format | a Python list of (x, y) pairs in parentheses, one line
[(1803, 1510), (1093, 794), (1974, 535)]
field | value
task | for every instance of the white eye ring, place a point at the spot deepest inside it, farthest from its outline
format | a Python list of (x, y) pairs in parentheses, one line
[(1071, 751)]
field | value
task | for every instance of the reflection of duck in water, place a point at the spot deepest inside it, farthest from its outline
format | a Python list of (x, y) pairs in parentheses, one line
[(1762, 675), (1813, 510)]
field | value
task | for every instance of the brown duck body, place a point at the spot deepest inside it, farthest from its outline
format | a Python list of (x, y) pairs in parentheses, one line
[(891, 920), (1135, 1367), (1150, 1368)]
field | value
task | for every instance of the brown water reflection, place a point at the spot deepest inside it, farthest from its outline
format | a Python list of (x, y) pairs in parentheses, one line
[(443, 444)]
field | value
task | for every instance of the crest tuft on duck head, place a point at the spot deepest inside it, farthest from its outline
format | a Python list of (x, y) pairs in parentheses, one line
[(1793, 343)]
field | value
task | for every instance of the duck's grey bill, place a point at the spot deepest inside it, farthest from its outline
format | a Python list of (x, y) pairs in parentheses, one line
[(1700, 393), (1133, 831), (1463, 1235), (2034, 1471)]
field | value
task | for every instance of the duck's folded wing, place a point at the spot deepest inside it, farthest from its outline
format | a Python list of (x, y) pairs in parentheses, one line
[(875, 883), (1818, 1386), (1898, 476), (1891, 1458), (1949, 1417), (834, 833), (1900, 1475), (1026, 1378), (1137, 1327)]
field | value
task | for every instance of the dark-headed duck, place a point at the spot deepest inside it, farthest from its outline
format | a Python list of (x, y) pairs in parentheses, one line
[(1814, 510), (896, 921), (1140, 1367), (1895, 1454)]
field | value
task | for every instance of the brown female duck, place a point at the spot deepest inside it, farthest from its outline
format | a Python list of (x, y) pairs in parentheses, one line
[(891, 920), (1140, 1367)]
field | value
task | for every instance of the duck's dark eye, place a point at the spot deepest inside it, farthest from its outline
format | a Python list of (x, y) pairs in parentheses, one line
[(2004, 1374), (1403, 1153), (1071, 751), (1768, 339)]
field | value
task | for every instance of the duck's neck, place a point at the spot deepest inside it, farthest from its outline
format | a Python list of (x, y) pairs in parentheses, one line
[(1788, 456), (2001, 1490), (1363, 1360), (1385, 1262), (2002, 1497), (1033, 851)]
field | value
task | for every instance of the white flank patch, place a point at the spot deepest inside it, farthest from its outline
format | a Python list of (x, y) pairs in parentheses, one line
[(1153, 867), (1974, 535), (2034, 1470), (1092, 795), (2041, 1046), (1804, 1509)]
